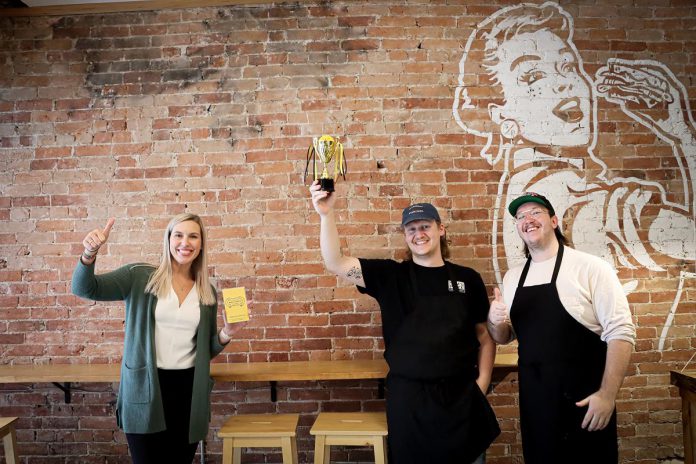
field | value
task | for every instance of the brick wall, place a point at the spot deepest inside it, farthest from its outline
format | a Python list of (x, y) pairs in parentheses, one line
[(140, 116)]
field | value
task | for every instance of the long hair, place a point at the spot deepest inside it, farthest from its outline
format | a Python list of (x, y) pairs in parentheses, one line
[(444, 247), (161, 280)]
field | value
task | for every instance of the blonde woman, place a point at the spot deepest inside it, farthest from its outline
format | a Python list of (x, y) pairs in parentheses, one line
[(171, 335)]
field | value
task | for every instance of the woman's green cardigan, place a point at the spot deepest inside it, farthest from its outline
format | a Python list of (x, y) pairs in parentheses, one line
[(139, 404)]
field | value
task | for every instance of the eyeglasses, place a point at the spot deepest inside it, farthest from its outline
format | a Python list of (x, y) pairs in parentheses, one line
[(533, 213)]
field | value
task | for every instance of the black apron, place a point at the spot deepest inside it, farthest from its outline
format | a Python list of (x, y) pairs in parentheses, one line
[(435, 411), (560, 362)]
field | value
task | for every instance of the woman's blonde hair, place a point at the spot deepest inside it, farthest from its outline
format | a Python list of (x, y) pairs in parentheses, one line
[(161, 280)]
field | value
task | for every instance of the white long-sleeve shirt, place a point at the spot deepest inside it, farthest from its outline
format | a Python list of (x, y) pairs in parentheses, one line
[(588, 288)]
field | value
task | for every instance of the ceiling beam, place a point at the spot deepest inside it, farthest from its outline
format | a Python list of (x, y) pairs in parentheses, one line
[(92, 8)]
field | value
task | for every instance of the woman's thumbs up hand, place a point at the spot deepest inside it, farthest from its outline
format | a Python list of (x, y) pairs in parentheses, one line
[(96, 238)]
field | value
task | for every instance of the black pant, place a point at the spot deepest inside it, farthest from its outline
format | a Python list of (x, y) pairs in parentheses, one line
[(171, 445)]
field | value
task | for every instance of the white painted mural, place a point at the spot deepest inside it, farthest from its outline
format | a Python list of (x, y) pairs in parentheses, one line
[(537, 117)]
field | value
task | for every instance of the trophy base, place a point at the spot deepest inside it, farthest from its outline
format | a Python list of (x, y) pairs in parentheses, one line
[(327, 185)]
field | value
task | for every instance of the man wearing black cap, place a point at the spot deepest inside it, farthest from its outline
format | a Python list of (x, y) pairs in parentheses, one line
[(571, 318), (439, 352)]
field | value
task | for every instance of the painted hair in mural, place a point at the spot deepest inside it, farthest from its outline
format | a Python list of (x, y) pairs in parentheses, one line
[(538, 123)]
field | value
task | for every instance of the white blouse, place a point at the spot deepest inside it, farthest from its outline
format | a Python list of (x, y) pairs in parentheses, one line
[(175, 330)]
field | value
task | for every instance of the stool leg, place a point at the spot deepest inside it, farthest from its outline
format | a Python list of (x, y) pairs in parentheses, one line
[(227, 451), (293, 444), (380, 444), (327, 454), (322, 452), (10, 443), (237, 455), (289, 447)]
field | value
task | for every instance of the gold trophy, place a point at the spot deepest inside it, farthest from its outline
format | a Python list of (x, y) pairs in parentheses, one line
[(328, 149)]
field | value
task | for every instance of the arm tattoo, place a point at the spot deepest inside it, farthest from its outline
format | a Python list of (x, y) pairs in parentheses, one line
[(354, 273)]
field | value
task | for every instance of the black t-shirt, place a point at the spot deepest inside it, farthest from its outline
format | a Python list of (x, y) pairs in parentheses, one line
[(389, 283)]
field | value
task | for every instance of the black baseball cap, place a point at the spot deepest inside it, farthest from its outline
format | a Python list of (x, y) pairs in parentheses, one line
[(530, 197), (419, 211)]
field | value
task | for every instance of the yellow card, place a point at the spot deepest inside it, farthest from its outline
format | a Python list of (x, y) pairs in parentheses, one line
[(236, 308)]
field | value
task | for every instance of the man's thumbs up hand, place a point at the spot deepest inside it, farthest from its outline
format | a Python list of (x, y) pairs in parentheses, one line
[(498, 313)]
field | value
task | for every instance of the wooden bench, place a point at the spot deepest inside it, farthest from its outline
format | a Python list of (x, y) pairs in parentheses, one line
[(63, 375)]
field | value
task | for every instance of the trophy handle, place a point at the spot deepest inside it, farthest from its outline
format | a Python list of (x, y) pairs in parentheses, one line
[(340, 166), (311, 157)]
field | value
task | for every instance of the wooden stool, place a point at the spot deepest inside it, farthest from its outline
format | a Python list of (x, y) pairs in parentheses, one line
[(259, 431), (9, 438), (350, 428)]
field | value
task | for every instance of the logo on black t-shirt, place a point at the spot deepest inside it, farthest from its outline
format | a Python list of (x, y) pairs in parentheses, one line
[(461, 288)]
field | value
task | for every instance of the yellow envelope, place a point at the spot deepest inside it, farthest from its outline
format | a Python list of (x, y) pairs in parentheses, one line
[(236, 308)]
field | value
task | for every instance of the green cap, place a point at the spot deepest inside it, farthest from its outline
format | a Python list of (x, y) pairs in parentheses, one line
[(530, 197)]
